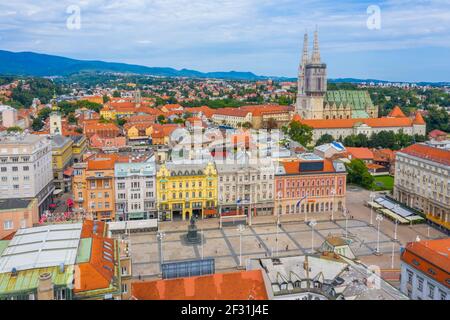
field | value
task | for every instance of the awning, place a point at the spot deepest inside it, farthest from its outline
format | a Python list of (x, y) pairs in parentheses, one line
[(57, 192), (68, 172), (136, 215), (210, 212)]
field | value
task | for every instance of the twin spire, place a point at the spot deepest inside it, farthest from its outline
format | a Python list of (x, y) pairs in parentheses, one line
[(315, 57)]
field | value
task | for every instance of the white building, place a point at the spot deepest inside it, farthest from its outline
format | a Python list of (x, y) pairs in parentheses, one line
[(244, 187), (425, 270), (26, 168), (422, 182), (135, 190)]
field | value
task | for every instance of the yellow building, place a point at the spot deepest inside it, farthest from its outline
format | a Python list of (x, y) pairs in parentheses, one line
[(62, 158), (186, 190), (79, 147)]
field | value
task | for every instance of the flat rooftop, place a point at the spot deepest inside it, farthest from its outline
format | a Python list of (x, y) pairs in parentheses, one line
[(42, 247), (10, 204)]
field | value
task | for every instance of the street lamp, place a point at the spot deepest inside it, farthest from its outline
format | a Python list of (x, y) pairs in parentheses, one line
[(379, 218), (395, 230), (333, 193), (240, 229), (161, 235), (345, 212), (372, 196), (312, 224), (392, 258)]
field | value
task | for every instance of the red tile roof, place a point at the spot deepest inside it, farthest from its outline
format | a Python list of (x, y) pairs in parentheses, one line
[(360, 153), (244, 285), (431, 257), (350, 123), (428, 153), (99, 271), (397, 113), (419, 119)]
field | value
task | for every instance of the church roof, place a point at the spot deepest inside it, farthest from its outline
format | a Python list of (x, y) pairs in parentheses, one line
[(357, 99), (418, 119), (396, 113)]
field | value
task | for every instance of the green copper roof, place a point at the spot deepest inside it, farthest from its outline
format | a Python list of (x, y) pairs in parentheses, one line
[(27, 281), (84, 250), (357, 99), (3, 245)]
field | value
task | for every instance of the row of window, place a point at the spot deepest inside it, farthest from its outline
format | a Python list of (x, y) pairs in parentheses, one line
[(15, 169), (186, 195)]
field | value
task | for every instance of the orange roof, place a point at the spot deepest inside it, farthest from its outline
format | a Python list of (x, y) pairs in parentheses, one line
[(360, 153), (94, 125), (293, 167), (87, 231), (437, 133), (102, 162), (428, 153), (430, 254), (244, 285), (350, 123), (419, 119), (397, 113), (99, 271)]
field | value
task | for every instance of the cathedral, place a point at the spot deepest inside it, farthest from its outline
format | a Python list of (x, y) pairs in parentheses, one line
[(313, 99)]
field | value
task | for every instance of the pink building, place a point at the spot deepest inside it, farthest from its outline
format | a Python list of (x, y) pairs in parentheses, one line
[(310, 184), (16, 214)]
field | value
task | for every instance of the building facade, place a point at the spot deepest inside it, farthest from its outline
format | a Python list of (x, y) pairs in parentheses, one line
[(17, 214), (422, 182), (62, 158), (246, 189), (26, 168), (93, 187), (186, 190), (425, 270), (342, 128), (135, 190), (309, 184)]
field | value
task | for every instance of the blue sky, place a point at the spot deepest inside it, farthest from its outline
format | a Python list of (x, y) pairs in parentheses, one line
[(262, 36)]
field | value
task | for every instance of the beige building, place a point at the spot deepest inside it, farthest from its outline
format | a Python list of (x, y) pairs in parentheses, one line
[(245, 188), (422, 182)]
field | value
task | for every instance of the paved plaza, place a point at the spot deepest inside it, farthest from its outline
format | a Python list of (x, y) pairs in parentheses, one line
[(260, 240)]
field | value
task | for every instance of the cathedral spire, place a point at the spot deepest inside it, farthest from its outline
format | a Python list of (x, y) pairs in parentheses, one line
[(316, 51), (301, 73)]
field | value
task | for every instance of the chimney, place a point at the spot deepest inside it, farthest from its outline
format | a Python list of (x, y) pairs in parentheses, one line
[(45, 287)]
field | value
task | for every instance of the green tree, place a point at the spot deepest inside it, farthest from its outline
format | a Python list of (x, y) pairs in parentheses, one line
[(161, 119), (325, 138), (105, 98), (37, 124), (299, 132), (14, 129), (116, 94), (437, 119), (43, 114), (358, 173)]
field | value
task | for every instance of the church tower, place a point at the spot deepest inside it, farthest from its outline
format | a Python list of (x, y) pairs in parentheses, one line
[(310, 99), (55, 119)]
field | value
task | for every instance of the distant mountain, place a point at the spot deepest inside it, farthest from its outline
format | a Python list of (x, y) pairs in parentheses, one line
[(40, 65)]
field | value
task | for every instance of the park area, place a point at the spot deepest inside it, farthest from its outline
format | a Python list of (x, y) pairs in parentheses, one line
[(383, 183)]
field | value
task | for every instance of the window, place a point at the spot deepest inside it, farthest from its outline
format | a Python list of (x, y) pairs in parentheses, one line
[(420, 284), (8, 225), (431, 291), (124, 288), (410, 277), (443, 295)]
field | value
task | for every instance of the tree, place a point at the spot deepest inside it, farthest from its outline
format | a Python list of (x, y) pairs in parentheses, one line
[(44, 113), (299, 132), (326, 138), (161, 119), (14, 129), (37, 124), (437, 119), (358, 173), (116, 94), (71, 118), (105, 99)]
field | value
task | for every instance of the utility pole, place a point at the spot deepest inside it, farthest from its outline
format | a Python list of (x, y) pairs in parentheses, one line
[(379, 218), (312, 224), (240, 229)]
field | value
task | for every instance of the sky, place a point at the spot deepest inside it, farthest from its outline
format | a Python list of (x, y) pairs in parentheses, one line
[(406, 41)]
